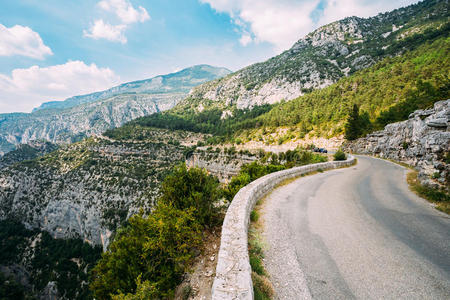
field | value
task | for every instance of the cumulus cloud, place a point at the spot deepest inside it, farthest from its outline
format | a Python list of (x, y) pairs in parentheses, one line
[(125, 11), (102, 30), (22, 40), (283, 22), (27, 88), (245, 39), (126, 14)]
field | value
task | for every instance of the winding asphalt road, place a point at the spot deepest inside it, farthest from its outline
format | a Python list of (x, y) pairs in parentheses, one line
[(356, 233)]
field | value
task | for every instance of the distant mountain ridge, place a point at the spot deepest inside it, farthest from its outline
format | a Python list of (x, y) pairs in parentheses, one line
[(80, 116), (178, 82)]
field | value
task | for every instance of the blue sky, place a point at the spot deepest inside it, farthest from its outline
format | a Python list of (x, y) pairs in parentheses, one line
[(53, 49)]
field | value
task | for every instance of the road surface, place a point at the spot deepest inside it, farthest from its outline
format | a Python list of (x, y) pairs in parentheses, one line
[(356, 233)]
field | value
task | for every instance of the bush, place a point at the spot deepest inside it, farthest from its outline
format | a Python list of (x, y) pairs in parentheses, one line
[(148, 257), (340, 155), (156, 249), (185, 188)]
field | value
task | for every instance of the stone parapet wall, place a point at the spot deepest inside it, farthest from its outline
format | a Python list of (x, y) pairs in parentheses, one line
[(233, 273)]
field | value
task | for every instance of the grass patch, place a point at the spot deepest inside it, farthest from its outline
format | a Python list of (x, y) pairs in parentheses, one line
[(262, 288), (440, 198), (254, 216)]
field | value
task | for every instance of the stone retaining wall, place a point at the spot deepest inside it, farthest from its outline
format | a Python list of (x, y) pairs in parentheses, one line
[(233, 273)]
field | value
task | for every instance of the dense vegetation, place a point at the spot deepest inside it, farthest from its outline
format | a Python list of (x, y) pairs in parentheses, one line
[(206, 121), (417, 79), (26, 152), (67, 262), (151, 253), (10, 289)]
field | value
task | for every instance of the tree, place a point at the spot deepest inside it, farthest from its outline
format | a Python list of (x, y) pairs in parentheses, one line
[(353, 126)]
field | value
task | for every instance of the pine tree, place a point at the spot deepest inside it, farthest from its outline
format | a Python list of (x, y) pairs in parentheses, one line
[(353, 126)]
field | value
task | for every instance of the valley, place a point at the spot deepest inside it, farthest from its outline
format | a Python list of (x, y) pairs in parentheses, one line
[(116, 194)]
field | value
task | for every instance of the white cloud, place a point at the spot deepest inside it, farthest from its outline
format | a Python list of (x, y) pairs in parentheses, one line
[(126, 14), (102, 30), (245, 39), (125, 11), (25, 89), (283, 22), (21, 40)]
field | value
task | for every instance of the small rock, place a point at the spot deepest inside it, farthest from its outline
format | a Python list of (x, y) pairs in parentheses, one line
[(438, 122)]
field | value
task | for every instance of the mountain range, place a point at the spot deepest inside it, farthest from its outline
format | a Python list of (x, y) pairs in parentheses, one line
[(80, 116)]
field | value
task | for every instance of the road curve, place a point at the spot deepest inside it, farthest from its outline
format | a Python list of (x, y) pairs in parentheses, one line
[(356, 233)]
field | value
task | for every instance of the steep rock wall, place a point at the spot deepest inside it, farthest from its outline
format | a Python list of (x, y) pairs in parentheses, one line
[(422, 141)]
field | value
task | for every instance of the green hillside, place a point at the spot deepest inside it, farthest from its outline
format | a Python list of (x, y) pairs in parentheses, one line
[(388, 92)]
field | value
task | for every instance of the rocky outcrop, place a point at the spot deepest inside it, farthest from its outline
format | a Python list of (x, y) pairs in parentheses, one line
[(233, 273), (223, 166), (422, 141)]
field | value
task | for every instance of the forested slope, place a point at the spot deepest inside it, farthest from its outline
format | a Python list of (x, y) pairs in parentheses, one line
[(387, 92)]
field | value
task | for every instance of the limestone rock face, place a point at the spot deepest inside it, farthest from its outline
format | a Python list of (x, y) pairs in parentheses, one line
[(87, 189), (223, 166), (422, 141)]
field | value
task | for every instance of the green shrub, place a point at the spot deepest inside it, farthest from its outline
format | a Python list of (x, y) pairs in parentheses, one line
[(158, 248), (339, 155), (10, 289), (186, 292), (185, 188)]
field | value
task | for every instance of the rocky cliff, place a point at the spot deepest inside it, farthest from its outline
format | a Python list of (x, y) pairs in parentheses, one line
[(223, 166), (75, 118), (422, 141), (85, 190), (323, 56)]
